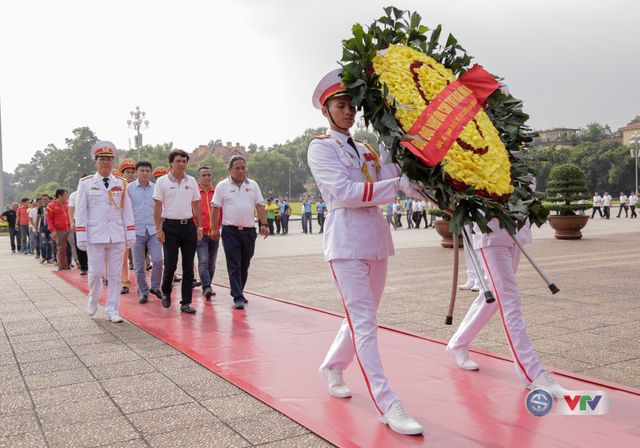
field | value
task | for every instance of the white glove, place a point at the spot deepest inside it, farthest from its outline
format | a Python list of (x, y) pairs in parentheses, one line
[(82, 245), (409, 187), (131, 244)]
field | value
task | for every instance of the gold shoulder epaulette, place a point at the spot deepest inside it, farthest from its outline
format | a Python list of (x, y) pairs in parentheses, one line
[(321, 137), (86, 177)]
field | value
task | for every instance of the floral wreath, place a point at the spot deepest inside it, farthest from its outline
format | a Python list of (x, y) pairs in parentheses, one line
[(472, 161)]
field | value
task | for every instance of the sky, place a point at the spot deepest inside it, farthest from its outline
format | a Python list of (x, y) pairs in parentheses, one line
[(244, 70)]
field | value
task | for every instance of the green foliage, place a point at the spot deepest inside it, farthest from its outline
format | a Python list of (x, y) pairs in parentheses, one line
[(271, 170), (369, 95), (566, 186)]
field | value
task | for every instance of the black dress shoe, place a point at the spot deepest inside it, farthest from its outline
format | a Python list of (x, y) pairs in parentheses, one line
[(124, 290), (83, 272), (188, 309), (238, 304), (166, 300), (156, 292), (143, 298)]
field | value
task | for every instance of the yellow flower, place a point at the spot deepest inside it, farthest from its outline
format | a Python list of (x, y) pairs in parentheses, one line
[(478, 158)]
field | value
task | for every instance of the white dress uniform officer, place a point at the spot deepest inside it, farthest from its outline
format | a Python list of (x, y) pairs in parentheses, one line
[(357, 243), (500, 257), (104, 227)]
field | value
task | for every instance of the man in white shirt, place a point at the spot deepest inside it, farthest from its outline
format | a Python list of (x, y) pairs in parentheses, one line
[(177, 200), (597, 204), (606, 202), (238, 196), (633, 200), (623, 205)]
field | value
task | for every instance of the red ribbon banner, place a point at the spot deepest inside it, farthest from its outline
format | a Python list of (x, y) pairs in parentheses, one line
[(440, 124)]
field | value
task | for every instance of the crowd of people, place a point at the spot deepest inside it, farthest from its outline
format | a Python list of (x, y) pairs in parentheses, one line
[(602, 205), (147, 215)]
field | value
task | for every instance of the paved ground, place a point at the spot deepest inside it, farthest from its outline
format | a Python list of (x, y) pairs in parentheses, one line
[(71, 381)]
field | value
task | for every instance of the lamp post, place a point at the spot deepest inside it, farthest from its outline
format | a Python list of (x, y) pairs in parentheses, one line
[(137, 120), (634, 141)]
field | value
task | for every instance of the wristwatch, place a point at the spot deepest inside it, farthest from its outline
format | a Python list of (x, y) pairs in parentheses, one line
[(263, 224)]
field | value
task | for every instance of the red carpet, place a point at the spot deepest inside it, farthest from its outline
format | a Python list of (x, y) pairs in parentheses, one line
[(272, 350)]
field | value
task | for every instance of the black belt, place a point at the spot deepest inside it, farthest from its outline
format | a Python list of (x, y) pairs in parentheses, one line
[(238, 228), (179, 221)]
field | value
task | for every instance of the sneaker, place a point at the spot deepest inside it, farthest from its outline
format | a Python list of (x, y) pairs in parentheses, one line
[(335, 383), (188, 309), (545, 381), (400, 421), (461, 356), (144, 298), (238, 304), (43, 261), (124, 290), (91, 309), (115, 318), (208, 293)]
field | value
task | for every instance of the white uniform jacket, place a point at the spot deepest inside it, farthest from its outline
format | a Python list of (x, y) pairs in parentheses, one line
[(104, 216), (355, 227), (499, 237)]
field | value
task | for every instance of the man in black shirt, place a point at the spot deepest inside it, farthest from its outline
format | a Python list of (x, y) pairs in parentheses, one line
[(9, 216)]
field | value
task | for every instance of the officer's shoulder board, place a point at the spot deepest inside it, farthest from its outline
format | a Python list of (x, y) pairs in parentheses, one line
[(321, 137), (86, 177)]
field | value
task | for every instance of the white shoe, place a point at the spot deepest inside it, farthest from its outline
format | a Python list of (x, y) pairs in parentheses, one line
[(476, 287), (335, 383), (115, 318), (400, 421), (545, 381), (467, 286), (91, 309), (461, 355)]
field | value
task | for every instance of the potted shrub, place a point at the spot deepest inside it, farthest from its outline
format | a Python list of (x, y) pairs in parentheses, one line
[(442, 227), (565, 188)]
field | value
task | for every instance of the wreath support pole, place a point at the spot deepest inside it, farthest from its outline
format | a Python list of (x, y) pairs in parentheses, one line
[(552, 286), (454, 285)]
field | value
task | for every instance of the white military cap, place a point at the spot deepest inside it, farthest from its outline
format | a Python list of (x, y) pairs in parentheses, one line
[(103, 148), (329, 86)]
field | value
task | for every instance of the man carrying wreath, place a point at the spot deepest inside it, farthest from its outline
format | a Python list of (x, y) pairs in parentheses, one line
[(354, 182)]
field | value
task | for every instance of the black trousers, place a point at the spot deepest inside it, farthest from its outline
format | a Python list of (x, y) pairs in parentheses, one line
[(82, 257), (284, 220), (596, 209), (633, 211), (626, 210), (321, 222), (239, 246), (607, 212), (183, 238), (13, 232)]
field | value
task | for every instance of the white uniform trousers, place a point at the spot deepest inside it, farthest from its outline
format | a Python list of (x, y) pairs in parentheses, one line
[(500, 264), (361, 283), (472, 275), (105, 258)]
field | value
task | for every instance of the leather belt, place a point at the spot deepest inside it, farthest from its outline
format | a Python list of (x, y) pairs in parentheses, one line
[(238, 227), (179, 221)]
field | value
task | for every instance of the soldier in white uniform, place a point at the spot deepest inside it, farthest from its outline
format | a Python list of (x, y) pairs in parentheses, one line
[(500, 256), (357, 242), (104, 226)]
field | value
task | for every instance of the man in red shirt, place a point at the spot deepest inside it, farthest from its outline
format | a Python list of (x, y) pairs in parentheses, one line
[(23, 225), (60, 226), (207, 248)]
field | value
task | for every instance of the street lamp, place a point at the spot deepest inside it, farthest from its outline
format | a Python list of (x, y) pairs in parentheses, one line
[(137, 120), (635, 140)]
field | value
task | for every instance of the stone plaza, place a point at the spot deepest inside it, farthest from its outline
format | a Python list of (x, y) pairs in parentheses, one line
[(69, 380)]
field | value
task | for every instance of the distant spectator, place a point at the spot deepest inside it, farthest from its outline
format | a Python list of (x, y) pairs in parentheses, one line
[(307, 225), (633, 200), (624, 205), (23, 225), (277, 219), (597, 204), (10, 216), (271, 214), (321, 211), (606, 202), (285, 213)]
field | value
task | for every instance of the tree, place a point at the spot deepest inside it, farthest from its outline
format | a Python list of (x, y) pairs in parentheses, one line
[(594, 132), (217, 166), (271, 170)]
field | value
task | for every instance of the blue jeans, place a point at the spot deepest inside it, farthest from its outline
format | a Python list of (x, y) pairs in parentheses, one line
[(306, 222), (207, 250), (34, 237), (155, 252), (24, 239)]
